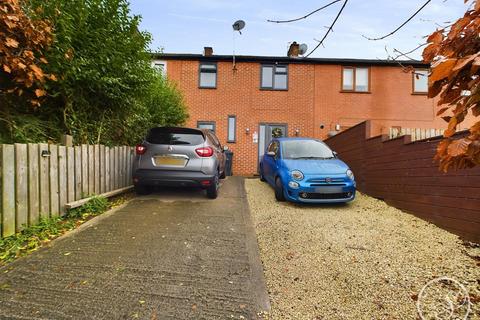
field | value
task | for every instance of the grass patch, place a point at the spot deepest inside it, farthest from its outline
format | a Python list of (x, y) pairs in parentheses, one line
[(33, 237)]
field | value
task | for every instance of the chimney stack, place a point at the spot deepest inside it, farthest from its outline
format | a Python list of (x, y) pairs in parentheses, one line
[(294, 50), (207, 51)]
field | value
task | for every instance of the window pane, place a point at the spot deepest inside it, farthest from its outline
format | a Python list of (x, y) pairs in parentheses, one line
[(206, 125), (347, 79), (208, 79), (208, 67), (280, 81), (231, 128), (361, 79), (306, 148), (166, 136), (281, 69), (420, 81), (267, 77)]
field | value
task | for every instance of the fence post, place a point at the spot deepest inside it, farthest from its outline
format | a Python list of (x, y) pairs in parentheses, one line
[(67, 140), (7, 166), (33, 184), (84, 165), (78, 172), (107, 169), (62, 179), (91, 170), (54, 203), (21, 186), (70, 174), (43, 159)]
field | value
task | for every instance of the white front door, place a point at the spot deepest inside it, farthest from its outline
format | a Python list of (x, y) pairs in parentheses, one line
[(265, 135)]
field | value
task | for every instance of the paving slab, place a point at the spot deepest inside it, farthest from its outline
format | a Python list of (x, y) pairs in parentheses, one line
[(170, 255)]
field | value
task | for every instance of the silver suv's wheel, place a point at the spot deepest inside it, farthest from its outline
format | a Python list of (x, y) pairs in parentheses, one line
[(141, 189), (212, 191)]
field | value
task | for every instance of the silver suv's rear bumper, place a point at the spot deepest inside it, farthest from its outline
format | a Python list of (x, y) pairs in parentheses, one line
[(148, 177)]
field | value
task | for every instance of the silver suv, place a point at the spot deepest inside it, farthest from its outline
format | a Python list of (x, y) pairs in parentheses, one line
[(173, 156)]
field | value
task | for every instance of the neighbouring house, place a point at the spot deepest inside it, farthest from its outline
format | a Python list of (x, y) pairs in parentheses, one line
[(243, 98)]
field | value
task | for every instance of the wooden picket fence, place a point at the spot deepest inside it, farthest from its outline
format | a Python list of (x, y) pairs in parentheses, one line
[(38, 180), (415, 133)]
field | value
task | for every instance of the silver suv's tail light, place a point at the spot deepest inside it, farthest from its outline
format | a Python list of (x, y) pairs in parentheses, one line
[(204, 152), (140, 149)]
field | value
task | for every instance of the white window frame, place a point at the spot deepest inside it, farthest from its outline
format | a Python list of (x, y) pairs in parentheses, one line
[(415, 73), (229, 138), (354, 80), (214, 71), (274, 72)]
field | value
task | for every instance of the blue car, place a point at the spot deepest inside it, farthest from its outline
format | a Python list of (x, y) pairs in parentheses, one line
[(306, 170)]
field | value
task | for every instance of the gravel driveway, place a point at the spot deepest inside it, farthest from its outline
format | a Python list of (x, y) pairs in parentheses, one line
[(363, 260)]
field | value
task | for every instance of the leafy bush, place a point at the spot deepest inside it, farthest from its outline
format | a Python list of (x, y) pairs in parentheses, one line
[(105, 88), (162, 105)]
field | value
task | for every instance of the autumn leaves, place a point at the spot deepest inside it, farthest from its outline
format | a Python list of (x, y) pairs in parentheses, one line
[(22, 42), (454, 52)]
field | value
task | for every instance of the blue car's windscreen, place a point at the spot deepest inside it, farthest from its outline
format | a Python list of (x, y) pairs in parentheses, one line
[(306, 149)]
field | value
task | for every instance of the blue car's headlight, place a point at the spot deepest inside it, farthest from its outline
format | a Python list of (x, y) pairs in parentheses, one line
[(350, 174), (297, 175)]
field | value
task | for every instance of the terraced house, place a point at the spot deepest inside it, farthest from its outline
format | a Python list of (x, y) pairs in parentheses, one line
[(243, 98)]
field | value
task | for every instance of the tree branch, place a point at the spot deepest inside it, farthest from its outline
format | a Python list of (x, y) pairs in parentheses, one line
[(305, 16), (408, 52), (402, 25), (329, 29)]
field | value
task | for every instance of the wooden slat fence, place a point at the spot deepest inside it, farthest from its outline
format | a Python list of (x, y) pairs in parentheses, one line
[(415, 133), (37, 180)]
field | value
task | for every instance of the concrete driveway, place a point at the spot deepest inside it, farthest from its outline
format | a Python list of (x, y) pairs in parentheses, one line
[(169, 255)]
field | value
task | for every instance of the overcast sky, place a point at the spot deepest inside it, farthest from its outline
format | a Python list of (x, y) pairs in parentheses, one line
[(186, 26)]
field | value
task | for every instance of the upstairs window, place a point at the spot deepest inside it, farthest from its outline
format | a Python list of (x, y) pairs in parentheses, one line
[(420, 81), (274, 77), (207, 75), (355, 79)]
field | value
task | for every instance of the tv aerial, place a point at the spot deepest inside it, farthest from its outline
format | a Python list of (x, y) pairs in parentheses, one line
[(302, 49), (237, 26)]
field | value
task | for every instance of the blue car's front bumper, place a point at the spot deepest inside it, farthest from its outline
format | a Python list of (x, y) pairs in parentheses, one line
[(318, 190)]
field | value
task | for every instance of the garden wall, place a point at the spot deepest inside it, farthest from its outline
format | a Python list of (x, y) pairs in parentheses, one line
[(403, 174)]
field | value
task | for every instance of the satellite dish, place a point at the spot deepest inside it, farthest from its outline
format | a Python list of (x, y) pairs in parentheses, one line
[(302, 49), (238, 25)]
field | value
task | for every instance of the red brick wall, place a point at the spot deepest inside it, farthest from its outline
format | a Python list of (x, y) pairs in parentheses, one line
[(405, 176), (314, 97)]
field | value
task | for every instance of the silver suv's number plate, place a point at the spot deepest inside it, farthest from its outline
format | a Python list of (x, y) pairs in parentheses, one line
[(170, 161)]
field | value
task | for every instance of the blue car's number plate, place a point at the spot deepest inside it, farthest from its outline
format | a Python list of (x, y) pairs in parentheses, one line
[(328, 189)]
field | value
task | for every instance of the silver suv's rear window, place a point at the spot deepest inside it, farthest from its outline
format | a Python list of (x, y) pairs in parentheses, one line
[(175, 136)]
